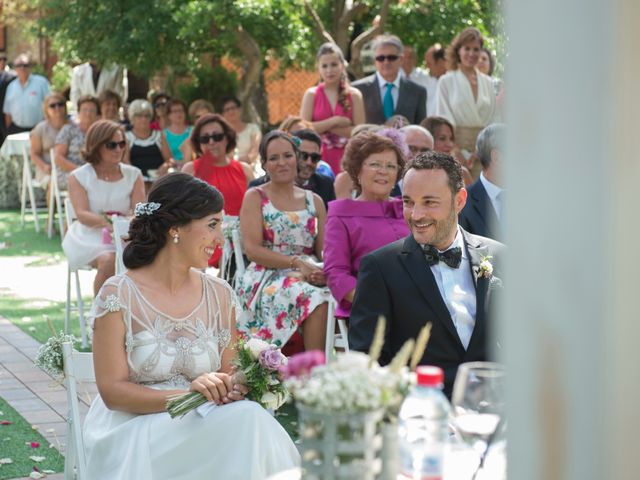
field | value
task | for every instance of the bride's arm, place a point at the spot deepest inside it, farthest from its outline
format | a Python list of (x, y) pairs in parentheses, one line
[(112, 371)]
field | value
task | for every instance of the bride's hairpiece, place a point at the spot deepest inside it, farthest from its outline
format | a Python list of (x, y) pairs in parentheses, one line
[(145, 208)]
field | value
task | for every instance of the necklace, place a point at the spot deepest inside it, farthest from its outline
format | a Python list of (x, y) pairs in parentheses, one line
[(107, 176)]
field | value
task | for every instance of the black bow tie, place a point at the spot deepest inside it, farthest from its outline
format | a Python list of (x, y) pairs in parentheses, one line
[(451, 257)]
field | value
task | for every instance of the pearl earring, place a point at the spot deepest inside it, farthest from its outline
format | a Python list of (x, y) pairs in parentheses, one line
[(176, 238)]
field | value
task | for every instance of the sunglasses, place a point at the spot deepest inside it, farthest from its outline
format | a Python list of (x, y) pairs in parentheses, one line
[(390, 58), (113, 145), (57, 105), (22, 65), (216, 137), (315, 157)]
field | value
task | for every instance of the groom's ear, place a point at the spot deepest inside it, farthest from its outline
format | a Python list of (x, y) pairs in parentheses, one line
[(460, 199)]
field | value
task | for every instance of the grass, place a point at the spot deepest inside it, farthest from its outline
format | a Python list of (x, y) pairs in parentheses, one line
[(16, 444), (18, 241)]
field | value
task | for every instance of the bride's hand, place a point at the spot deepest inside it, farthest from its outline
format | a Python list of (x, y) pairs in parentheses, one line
[(238, 392), (215, 386)]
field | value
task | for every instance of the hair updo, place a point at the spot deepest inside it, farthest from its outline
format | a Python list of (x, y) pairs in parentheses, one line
[(182, 198)]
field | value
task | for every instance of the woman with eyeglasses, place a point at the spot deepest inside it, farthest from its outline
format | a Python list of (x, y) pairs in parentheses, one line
[(333, 106), (213, 141), (43, 136), (248, 135), (159, 102), (104, 184), (356, 227), (148, 149), (70, 139)]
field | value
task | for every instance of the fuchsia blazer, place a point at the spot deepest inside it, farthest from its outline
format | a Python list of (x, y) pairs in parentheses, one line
[(353, 229)]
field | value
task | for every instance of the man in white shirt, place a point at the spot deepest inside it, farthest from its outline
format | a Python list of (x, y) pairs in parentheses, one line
[(387, 93), (23, 100), (439, 274), (435, 61), (92, 79), (484, 212)]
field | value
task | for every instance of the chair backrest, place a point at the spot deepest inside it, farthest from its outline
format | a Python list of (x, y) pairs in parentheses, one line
[(78, 367), (69, 212), (120, 230)]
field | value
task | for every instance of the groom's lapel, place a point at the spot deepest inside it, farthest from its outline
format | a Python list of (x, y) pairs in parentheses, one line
[(476, 252), (412, 258)]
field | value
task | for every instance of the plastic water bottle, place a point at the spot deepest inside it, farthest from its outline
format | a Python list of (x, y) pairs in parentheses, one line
[(424, 427)]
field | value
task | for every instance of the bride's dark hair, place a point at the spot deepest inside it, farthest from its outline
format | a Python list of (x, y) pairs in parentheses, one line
[(182, 198)]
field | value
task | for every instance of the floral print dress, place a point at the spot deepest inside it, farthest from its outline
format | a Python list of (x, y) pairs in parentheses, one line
[(277, 301)]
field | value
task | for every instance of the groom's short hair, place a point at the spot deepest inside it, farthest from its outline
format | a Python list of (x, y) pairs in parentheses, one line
[(432, 160)]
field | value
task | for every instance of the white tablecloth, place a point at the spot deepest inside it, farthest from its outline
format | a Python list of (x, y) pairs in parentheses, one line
[(11, 169)]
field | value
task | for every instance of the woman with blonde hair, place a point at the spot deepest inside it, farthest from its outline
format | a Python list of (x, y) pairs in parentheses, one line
[(103, 184), (333, 106), (465, 96), (43, 136)]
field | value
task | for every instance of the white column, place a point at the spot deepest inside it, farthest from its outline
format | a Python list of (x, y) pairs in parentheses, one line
[(572, 316)]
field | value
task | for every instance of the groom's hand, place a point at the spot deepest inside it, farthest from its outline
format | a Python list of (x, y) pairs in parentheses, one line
[(214, 386)]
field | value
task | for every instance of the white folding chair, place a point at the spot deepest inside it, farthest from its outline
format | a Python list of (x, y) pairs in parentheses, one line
[(78, 367), (55, 199), (70, 217), (232, 247), (120, 231), (27, 188), (335, 340)]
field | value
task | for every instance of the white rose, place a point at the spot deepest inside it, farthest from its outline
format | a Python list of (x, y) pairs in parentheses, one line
[(486, 267), (255, 346)]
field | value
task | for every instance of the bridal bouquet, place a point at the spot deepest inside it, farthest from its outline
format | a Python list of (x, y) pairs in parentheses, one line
[(257, 365)]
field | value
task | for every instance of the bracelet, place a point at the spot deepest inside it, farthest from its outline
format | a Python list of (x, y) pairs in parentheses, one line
[(291, 262)]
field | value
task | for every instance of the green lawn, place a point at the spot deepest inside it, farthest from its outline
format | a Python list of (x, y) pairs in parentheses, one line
[(18, 442), (18, 241)]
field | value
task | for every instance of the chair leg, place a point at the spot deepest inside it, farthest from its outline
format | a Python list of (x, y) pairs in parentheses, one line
[(67, 313), (71, 456), (80, 302), (330, 338), (344, 332), (60, 212), (23, 198), (34, 208), (52, 207)]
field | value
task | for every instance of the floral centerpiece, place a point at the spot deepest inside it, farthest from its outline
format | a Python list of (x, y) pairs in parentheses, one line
[(257, 365), (50, 357)]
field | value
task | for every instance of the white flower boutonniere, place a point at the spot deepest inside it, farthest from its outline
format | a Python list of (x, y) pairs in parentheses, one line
[(485, 270)]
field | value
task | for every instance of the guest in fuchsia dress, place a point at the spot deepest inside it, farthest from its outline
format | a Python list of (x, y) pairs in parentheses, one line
[(357, 227), (214, 140), (333, 106)]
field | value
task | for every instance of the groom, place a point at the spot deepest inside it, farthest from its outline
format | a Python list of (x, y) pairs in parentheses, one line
[(433, 275)]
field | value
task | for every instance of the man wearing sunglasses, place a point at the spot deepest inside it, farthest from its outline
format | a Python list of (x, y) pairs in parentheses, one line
[(308, 176), (22, 104), (387, 92)]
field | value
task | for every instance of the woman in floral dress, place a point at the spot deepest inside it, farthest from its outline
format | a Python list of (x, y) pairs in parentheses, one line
[(282, 227)]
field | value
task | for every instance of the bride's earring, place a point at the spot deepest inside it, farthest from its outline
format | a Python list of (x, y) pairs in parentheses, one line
[(176, 238)]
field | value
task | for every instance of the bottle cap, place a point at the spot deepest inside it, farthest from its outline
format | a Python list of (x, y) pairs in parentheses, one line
[(430, 376)]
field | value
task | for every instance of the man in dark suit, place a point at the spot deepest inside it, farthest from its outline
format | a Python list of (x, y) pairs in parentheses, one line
[(439, 274), (308, 178), (483, 213), (387, 92)]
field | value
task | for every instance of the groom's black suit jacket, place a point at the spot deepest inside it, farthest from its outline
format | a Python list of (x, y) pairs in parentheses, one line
[(395, 281)]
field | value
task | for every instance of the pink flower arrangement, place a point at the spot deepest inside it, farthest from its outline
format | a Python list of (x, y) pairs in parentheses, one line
[(302, 363)]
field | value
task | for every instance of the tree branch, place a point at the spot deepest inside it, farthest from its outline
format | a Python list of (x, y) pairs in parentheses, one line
[(320, 29), (362, 39)]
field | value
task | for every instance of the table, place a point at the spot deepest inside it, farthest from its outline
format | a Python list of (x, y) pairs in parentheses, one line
[(11, 169)]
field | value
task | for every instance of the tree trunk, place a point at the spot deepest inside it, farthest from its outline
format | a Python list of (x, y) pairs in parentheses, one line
[(355, 66), (251, 78)]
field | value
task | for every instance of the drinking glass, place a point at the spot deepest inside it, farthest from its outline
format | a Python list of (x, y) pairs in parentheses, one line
[(478, 404)]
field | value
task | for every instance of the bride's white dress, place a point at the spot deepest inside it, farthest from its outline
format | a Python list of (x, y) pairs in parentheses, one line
[(235, 441)]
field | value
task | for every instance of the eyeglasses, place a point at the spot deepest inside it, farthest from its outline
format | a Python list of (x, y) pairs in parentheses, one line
[(415, 149), (378, 167), (22, 65), (315, 157), (56, 105), (113, 145), (216, 137), (230, 108), (176, 110), (161, 103), (390, 58)]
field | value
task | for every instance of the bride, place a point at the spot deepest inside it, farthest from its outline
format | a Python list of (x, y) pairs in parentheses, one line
[(165, 327)]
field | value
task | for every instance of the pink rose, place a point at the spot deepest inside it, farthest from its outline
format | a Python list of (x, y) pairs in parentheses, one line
[(302, 363)]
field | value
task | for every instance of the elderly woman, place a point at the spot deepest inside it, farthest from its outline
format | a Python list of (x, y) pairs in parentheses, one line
[(177, 131), (370, 221), (110, 103), (103, 184), (43, 136), (465, 96), (333, 106), (70, 139), (248, 135), (282, 228), (148, 149), (167, 328), (214, 140)]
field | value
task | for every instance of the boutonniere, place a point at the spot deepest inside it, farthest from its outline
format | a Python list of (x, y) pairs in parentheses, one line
[(485, 270)]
